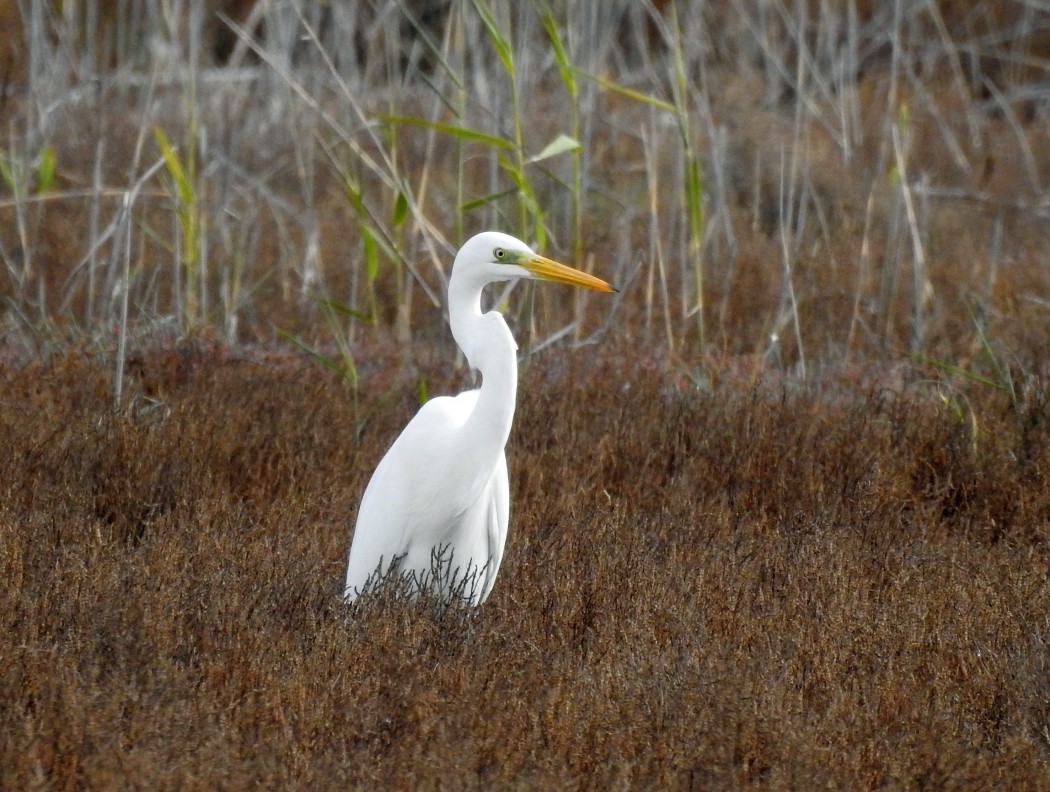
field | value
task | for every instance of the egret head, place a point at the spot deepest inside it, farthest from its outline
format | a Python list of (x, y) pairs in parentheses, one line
[(494, 256)]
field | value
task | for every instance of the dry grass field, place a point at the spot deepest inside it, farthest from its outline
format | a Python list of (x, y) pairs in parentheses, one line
[(730, 589), (780, 509)]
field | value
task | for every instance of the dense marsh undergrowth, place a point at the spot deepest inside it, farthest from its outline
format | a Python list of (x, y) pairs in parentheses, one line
[(738, 588)]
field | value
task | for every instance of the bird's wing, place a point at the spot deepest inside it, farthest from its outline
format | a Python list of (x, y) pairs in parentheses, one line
[(498, 520), (401, 509)]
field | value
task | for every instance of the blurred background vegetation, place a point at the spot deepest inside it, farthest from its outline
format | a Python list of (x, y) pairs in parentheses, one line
[(796, 183)]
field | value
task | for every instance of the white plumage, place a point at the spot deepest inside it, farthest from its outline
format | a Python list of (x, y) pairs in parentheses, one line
[(438, 504)]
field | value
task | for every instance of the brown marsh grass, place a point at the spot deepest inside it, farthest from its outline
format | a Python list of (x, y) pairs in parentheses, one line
[(729, 589)]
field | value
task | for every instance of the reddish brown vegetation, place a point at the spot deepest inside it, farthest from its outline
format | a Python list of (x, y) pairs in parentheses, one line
[(701, 590)]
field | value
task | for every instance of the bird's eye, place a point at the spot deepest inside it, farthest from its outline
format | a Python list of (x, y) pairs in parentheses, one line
[(500, 254)]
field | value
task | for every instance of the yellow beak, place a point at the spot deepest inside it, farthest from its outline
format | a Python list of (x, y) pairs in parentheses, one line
[(546, 269)]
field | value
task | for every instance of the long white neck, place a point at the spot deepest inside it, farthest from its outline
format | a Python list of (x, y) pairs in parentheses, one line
[(490, 348)]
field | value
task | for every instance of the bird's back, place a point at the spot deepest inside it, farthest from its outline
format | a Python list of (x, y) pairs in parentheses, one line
[(422, 497)]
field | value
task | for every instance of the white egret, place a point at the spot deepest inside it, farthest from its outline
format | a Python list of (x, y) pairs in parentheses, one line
[(438, 505)]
